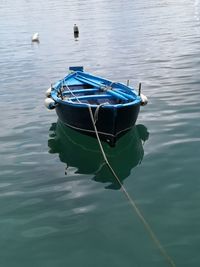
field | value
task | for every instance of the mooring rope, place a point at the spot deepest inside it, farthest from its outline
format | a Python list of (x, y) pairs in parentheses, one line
[(96, 114), (132, 202), (71, 92)]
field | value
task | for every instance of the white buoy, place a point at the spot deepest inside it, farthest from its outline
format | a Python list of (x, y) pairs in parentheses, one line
[(144, 100), (35, 37), (48, 92), (49, 103)]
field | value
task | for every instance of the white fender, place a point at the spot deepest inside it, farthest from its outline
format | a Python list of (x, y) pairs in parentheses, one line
[(144, 100), (49, 103), (48, 92)]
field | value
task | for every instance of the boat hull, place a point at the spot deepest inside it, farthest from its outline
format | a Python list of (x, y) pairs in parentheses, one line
[(111, 123)]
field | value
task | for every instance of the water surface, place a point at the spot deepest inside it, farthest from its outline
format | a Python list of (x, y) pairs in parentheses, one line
[(60, 206)]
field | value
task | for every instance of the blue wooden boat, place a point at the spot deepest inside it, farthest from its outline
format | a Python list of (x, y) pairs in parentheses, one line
[(114, 106)]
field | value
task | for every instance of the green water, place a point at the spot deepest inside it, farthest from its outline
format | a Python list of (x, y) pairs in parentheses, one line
[(59, 204)]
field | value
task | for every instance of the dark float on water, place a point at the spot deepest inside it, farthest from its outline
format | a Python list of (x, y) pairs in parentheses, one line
[(114, 106), (76, 32)]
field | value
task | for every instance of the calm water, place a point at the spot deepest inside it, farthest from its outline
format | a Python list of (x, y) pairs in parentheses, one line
[(59, 205)]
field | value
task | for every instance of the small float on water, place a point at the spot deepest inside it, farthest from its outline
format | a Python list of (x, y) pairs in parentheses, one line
[(114, 106), (35, 37), (76, 30)]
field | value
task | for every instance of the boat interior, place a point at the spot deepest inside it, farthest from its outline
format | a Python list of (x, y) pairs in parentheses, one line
[(80, 87), (93, 93)]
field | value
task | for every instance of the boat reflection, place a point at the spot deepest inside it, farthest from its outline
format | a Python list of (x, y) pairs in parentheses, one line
[(83, 152)]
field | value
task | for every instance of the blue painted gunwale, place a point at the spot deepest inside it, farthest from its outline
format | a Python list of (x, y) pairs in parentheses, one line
[(81, 78)]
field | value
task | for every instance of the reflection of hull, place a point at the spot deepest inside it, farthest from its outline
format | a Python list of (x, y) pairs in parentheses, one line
[(83, 152)]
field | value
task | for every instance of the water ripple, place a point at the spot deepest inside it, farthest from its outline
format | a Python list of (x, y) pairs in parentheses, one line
[(51, 207)]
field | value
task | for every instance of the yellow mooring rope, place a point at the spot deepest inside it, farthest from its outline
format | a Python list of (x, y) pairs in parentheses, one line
[(132, 202)]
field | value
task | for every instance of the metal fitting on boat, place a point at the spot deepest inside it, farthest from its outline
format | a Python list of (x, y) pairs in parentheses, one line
[(48, 92), (144, 100), (49, 103)]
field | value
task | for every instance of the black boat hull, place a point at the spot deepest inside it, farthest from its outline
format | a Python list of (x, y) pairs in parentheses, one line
[(111, 123)]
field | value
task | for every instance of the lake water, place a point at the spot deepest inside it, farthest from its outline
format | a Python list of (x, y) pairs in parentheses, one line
[(59, 205)]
